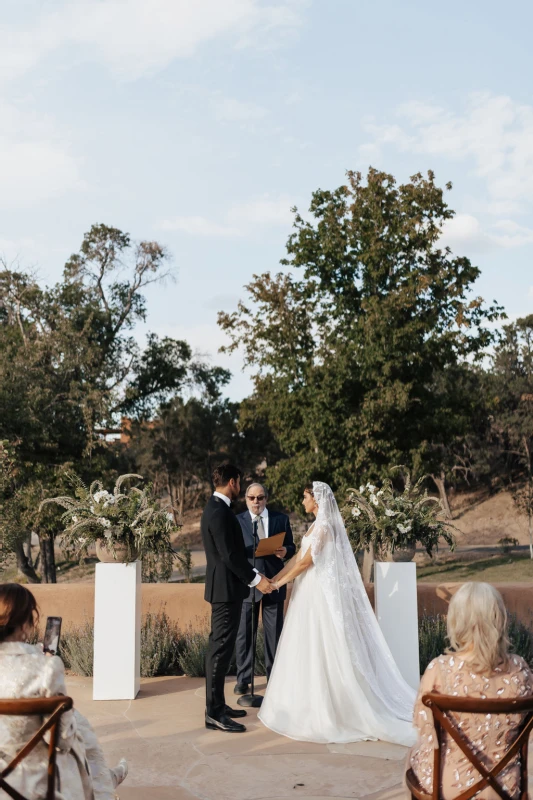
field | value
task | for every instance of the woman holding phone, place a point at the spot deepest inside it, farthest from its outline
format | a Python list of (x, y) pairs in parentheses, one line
[(26, 671)]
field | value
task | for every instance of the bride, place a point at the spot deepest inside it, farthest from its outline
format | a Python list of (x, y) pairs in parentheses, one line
[(334, 678)]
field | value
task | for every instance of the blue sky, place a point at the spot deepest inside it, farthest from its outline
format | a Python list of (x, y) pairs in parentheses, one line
[(200, 123)]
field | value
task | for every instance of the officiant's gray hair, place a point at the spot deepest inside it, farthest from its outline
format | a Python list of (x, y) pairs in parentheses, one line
[(260, 486)]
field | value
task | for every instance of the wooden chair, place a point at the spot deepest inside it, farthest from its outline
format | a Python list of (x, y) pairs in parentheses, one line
[(53, 706), (440, 705)]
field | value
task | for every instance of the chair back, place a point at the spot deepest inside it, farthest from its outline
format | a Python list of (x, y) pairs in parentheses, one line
[(441, 705), (51, 707)]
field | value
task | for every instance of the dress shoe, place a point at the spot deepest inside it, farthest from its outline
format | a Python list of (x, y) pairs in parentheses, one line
[(223, 723), (241, 688), (234, 713)]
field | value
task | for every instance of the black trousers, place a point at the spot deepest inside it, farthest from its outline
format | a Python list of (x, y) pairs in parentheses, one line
[(224, 626), (272, 625)]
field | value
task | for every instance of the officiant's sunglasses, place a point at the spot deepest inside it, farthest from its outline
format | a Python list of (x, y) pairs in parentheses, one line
[(259, 497)]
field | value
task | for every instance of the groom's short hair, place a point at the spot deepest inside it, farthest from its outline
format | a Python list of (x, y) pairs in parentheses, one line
[(224, 473)]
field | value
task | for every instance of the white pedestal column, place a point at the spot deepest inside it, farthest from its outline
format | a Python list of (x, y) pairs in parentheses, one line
[(117, 631), (397, 614)]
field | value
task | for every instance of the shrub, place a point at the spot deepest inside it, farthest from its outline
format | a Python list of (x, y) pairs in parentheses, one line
[(521, 637), (77, 649), (432, 638), (507, 543), (193, 649), (160, 646)]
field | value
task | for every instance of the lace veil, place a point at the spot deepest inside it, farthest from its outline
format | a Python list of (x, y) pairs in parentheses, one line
[(352, 613)]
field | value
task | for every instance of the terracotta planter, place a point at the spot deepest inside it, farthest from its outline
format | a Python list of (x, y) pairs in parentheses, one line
[(403, 554), (120, 556)]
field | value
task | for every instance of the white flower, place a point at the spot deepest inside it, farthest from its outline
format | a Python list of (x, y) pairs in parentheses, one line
[(92, 509), (110, 501), (371, 488), (75, 519), (361, 489), (82, 539), (404, 528), (374, 500), (390, 513), (108, 534), (170, 517), (356, 512), (105, 522), (380, 493), (102, 495)]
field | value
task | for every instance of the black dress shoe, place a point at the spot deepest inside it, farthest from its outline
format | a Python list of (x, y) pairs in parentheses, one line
[(240, 688), (223, 723), (234, 713)]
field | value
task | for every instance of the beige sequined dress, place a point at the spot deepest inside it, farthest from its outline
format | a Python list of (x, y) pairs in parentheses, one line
[(490, 734)]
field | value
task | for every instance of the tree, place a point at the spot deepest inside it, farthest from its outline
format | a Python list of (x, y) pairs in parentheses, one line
[(346, 357), (69, 366), (511, 384)]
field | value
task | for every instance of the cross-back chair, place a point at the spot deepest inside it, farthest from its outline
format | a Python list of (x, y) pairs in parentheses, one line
[(53, 708), (440, 705)]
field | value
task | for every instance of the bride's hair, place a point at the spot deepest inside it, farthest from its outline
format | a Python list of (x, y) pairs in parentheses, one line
[(477, 622), (309, 488)]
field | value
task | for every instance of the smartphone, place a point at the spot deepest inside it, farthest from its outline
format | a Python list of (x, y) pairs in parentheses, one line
[(52, 633)]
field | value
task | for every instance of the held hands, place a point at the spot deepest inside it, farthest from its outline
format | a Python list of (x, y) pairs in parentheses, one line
[(265, 585)]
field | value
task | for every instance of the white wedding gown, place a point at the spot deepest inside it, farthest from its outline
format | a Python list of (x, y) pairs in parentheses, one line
[(334, 679)]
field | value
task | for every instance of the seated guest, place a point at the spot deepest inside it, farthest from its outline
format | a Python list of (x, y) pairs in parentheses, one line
[(27, 672), (478, 665)]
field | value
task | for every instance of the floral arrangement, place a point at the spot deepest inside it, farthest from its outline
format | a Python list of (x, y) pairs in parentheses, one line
[(128, 518), (388, 519)]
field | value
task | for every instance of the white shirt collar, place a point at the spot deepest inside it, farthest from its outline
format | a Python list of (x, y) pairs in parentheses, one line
[(222, 497), (264, 515)]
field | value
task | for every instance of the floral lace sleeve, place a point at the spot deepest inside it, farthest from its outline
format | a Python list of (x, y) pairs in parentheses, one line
[(322, 540)]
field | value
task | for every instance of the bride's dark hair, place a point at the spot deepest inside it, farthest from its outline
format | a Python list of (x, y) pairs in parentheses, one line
[(309, 488)]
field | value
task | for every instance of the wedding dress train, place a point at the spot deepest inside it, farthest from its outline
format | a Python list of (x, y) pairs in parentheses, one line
[(334, 679)]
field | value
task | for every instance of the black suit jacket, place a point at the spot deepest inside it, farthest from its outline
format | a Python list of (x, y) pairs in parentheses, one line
[(228, 572), (271, 565)]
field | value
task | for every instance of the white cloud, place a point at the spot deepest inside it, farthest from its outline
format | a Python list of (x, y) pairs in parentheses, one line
[(465, 233), (240, 220), (35, 161), (228, 109), (197, 226), (493, 134), (133, 37)]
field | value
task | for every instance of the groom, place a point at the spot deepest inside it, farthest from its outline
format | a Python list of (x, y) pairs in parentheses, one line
[(228, 579)]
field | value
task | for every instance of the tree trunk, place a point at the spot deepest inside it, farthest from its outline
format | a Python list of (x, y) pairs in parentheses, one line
[(182, 495), (48, 561), (24, 565), (440, 483), (368, 565)]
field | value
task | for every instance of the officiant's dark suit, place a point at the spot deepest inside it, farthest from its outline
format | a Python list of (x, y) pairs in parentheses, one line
[(228, 577), (271, 604)]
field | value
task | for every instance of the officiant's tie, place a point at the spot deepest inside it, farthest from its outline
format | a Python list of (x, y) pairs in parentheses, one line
[(260, 528)]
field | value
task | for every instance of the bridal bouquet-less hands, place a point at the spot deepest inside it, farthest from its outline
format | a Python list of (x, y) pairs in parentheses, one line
[(127, 517), (388, 519)]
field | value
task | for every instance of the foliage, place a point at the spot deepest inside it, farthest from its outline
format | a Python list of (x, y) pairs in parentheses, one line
[(432, 638), (507, 543), (521, 638), (193, 650), (160, 646), (77, 649), (184, 559), (387, 519), (129, 517), (346, 358)]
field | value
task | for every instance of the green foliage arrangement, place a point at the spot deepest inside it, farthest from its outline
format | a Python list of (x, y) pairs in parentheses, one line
[(387, 519), (129, 517)]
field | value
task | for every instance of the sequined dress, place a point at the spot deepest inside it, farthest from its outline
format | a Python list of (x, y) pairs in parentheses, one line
[(490, 734)]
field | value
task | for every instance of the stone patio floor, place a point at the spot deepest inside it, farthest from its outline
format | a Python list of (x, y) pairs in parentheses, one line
[(173, 757)]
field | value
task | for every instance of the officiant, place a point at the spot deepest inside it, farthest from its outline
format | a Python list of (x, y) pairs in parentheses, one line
[(268, 524)]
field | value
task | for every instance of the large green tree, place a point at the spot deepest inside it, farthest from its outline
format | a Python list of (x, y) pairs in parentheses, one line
[(70, 367), (355, 346)]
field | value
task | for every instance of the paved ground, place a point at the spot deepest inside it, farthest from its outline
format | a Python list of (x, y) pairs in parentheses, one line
[(173, 757)]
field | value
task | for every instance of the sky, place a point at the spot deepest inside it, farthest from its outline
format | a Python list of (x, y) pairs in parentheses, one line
[(200, 123)]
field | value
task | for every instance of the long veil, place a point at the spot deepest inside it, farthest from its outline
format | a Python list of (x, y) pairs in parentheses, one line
[(339, 574)]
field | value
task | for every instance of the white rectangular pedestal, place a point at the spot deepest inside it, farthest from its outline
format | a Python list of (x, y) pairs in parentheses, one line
[(397, 614), (117, 631)]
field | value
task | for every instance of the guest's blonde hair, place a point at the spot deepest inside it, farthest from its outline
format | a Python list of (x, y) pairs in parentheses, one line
[(477, 623)]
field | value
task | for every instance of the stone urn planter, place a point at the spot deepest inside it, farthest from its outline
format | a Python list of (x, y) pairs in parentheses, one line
[(120, 556), (403, 553)]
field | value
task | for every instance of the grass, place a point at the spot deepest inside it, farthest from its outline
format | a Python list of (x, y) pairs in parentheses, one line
[(517, 568)]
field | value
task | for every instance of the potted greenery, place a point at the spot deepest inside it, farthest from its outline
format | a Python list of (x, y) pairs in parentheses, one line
[(391, 523), (123, 525)]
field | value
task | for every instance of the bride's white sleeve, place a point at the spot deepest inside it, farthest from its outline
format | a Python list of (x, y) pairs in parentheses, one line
[(322, 541)]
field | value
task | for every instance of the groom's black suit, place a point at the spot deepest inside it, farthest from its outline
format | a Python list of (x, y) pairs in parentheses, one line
[(228, 576)]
